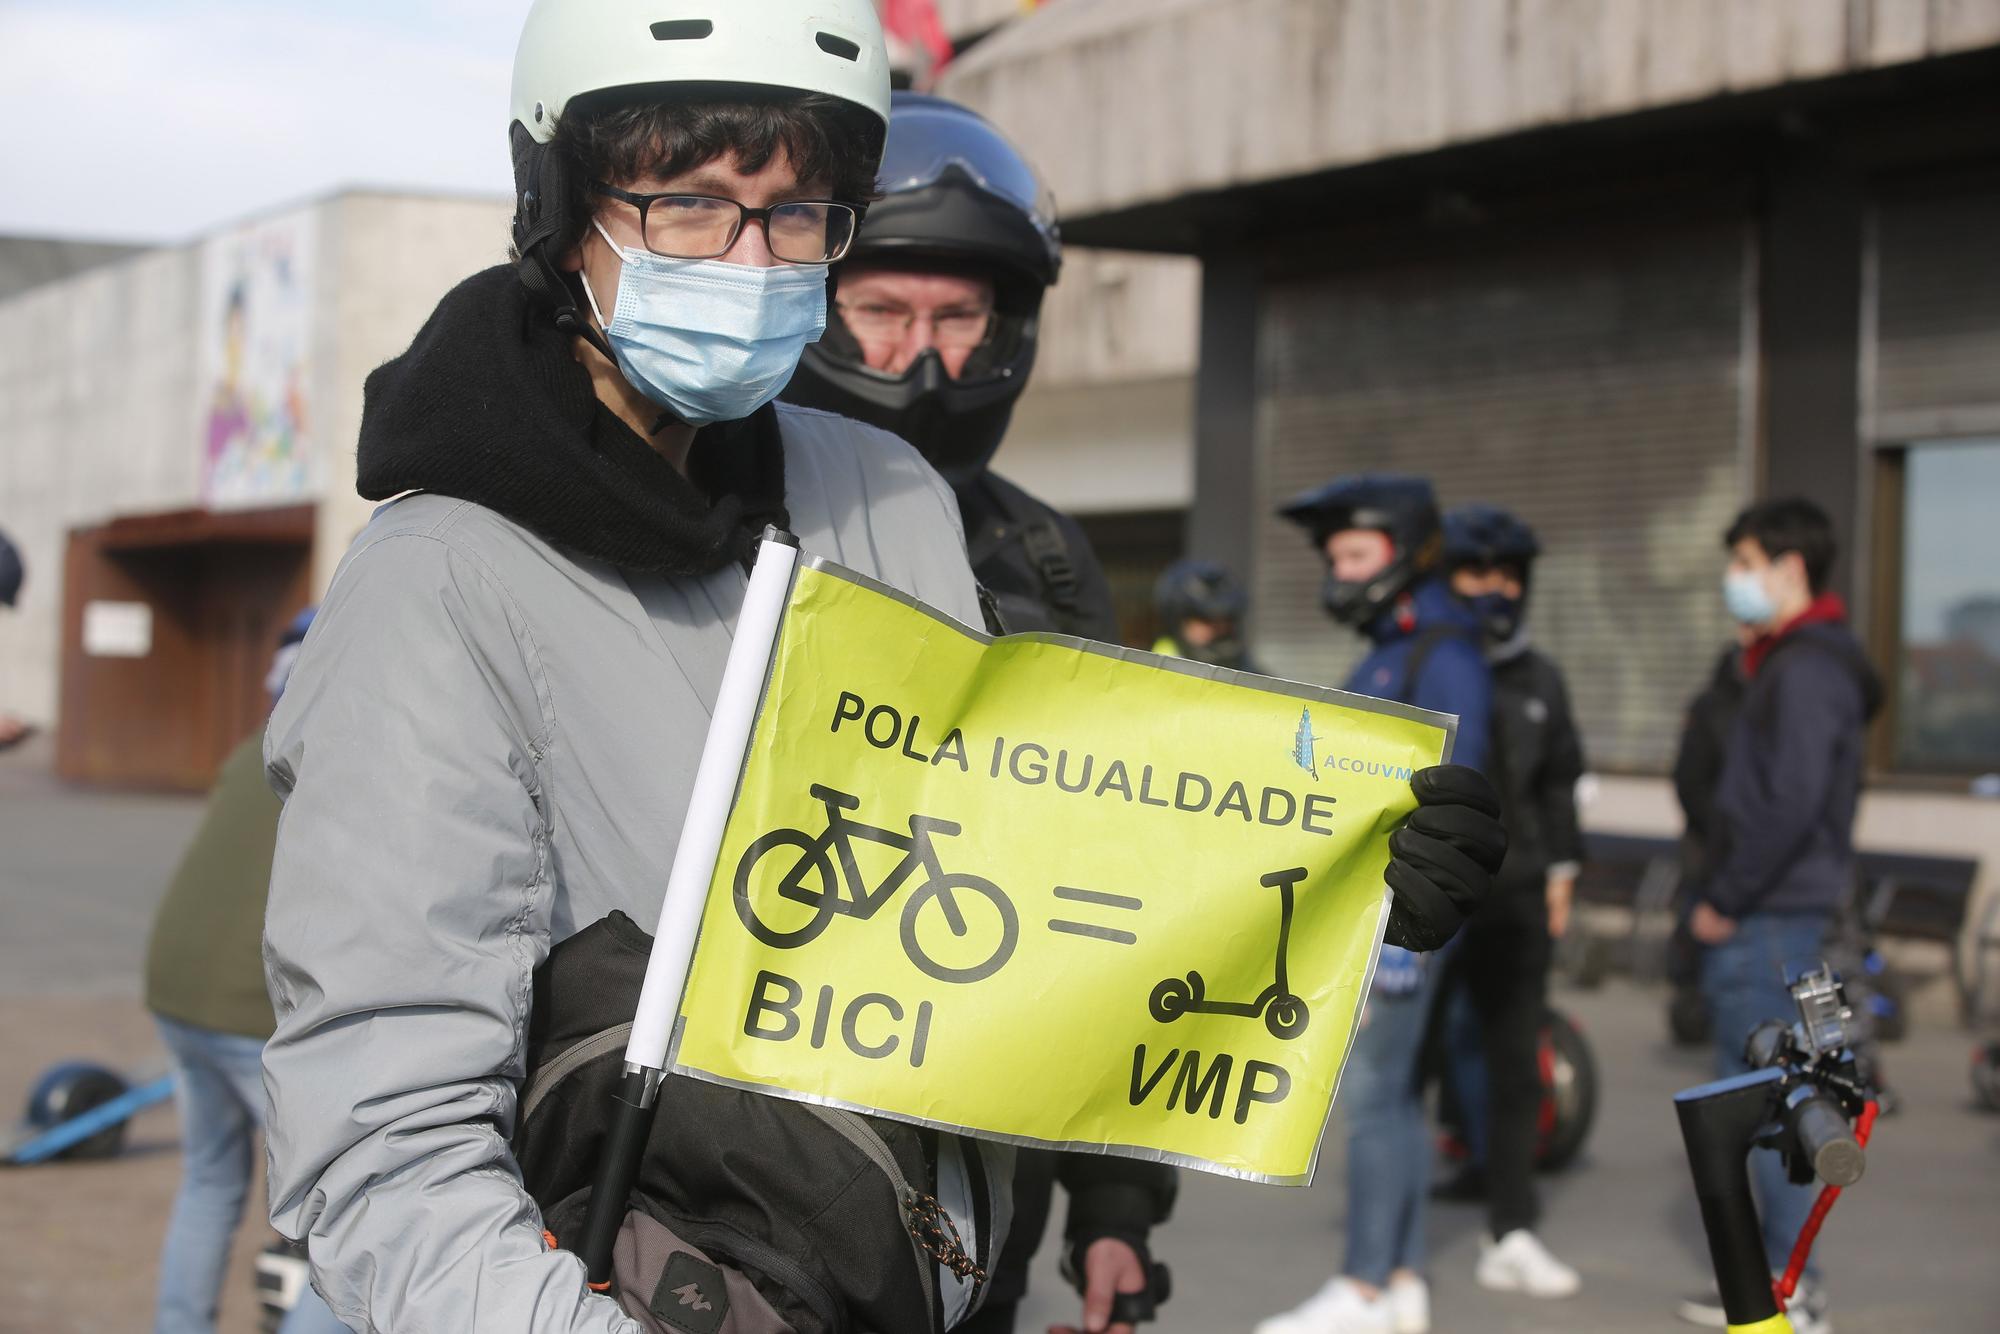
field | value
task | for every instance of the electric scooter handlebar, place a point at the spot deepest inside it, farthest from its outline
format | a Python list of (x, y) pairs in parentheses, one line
[(1800, 1099), (1826, 1140)]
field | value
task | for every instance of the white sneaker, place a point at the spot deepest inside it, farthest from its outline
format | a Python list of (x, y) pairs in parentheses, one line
[(1409, 1306), (1518, 1262), (1807, 1310), (1337, 1308)]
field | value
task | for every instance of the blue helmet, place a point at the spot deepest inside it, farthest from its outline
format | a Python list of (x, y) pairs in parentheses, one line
[(1488, 535), (1401, 506)]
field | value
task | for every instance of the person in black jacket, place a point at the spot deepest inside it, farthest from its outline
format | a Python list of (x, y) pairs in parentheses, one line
[(1698, 758), (1503, 959), (1781, 855), (937, 307)]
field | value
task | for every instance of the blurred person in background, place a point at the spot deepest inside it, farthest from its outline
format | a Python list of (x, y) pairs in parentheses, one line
[(1782, 849), (1383, 545), (936, 309), (1698, 757), (205, 987), (12, 574), (1201, 608), (1497, 980)]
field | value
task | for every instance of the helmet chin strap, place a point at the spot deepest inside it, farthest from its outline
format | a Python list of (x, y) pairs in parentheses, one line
[(536, 224)]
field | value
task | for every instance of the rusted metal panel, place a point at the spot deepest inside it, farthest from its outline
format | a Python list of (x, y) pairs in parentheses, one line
[(218, 589)]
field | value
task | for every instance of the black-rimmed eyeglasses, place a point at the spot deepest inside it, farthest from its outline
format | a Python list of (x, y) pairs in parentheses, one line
[(799, 231)]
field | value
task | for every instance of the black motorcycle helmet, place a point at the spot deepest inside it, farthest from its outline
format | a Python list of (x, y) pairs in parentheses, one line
[(1203, 590), (1485, 537), (956, 197), (1198, 590), (1401, 506)]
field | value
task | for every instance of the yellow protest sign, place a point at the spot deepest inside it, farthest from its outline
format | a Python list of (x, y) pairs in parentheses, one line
[(1046, 891)]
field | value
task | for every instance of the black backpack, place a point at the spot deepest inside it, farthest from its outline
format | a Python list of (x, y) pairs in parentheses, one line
[(803, 1218)]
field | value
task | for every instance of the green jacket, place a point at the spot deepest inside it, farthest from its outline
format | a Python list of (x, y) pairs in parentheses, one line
[(205, 962)]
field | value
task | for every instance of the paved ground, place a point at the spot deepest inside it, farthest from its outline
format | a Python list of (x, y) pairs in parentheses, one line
[(1912, 1248)]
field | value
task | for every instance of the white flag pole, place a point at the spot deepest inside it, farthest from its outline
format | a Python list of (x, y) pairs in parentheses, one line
[(715, 783)]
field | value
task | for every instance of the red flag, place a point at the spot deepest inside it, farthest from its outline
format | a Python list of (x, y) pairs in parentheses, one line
[(916, 24)]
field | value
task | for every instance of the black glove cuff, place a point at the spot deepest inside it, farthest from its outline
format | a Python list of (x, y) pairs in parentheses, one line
[(1127, 1308)]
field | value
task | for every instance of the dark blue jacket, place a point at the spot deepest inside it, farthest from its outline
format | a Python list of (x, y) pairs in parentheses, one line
[(1791, 778), (1454, 677)]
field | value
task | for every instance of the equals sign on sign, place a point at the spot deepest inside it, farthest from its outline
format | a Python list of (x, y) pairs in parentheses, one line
[(1122, 902)]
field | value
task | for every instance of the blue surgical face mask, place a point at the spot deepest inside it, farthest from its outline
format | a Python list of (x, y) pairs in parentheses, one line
[(709, 341), (1748, 600)]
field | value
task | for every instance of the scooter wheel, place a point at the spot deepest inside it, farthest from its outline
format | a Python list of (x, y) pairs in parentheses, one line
[(1287, 1017), (1569, 1092), (1170, 999), (67, 1091)]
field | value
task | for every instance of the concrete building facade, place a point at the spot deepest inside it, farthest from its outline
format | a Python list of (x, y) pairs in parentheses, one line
[(1620, 265), (156, 585)]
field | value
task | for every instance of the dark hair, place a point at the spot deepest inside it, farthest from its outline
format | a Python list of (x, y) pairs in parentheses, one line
[(827, 140), (1789, 524)]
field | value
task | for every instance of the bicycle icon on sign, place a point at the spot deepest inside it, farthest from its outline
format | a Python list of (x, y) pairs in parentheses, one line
[(815, 877), (1284, 1011)]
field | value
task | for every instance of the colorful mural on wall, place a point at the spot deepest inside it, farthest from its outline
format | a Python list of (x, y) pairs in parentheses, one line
[(256, 343)]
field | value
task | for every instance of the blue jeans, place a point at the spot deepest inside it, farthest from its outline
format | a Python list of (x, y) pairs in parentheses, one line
[(219, 1092), (1744, 982), (1388, 1141)]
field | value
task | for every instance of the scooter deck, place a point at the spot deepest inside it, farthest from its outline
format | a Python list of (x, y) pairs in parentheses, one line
[(28, 1145)]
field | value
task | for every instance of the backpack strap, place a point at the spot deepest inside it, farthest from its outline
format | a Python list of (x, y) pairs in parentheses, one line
[(1042, 541), (1048, 552), (1421, 649)]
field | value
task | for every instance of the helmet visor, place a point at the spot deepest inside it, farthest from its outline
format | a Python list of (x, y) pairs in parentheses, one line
[(927, 141)]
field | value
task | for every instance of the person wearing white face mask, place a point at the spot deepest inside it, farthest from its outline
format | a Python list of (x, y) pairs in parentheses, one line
[(1780, 851)]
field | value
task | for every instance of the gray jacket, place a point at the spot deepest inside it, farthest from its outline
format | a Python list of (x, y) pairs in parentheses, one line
[(488, 744)]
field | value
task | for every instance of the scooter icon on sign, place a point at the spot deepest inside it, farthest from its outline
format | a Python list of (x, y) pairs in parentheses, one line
[(1283, 1010)]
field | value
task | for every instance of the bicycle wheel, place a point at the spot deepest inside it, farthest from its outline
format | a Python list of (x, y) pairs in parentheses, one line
[(783, 908), (951, 956)]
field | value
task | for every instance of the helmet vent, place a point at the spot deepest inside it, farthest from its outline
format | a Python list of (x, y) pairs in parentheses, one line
[(837, 46), (682, 30)]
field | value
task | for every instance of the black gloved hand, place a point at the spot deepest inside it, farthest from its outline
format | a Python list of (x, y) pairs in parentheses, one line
[(1126, 1308), (1443, 859)]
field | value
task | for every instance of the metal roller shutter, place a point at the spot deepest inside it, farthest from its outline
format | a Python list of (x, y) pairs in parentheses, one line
[(1937, 314), (1600, 385)]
